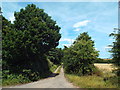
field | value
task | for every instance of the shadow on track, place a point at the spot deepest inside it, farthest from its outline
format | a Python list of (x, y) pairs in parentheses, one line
[(54, 74)]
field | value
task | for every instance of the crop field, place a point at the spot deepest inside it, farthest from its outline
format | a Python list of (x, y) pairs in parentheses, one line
[(105, 67)]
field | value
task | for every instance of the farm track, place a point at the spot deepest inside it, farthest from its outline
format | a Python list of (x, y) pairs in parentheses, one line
[(58, 81)]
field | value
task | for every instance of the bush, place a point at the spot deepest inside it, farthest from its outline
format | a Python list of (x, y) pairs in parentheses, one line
[(13, 79)]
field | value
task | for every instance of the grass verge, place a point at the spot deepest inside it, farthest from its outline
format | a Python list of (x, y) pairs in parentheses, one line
[(99, 79), (18, 79), (52, 66), (58, 71), (89, 81)]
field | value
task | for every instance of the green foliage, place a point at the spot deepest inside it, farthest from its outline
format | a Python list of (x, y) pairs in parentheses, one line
[(79, 58), (97, 72), (12, 79), (52, 66), (55, 55), (6, 42), (116, 51), (59, 69), (99, 60), (27, 41)]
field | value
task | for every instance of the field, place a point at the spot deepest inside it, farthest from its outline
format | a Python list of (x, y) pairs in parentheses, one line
[(105, 67), (106, 80)]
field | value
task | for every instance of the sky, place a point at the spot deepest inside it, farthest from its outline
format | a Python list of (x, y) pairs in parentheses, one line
[(97, 18)]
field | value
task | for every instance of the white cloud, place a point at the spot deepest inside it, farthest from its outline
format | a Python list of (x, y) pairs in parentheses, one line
[(82, 23), (108, 47), (77, 29), (111, 39), (11, 17), (68, 40), (68, 45)]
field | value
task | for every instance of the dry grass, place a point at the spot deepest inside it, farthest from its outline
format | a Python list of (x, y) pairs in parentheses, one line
[(89, 81), (105, 67), (104, 81)]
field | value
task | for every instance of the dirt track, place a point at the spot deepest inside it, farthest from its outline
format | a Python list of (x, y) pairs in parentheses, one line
[(58, 81)]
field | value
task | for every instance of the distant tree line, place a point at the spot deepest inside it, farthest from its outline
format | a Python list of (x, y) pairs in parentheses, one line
[(99, 60)]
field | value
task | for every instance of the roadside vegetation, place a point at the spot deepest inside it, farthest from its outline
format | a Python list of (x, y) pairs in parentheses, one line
[(29, 46), (116, 52), (59, 69), (80, 69), (30, 53), (92, 81), (99, 79)]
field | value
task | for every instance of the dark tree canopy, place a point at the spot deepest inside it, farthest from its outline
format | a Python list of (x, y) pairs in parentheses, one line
[(55, 55), (40, 32), (27, 41), (6, 42)]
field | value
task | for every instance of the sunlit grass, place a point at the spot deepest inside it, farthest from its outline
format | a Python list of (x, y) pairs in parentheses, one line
[(52, 66), (100, 79), (89, 81), (58, 71)]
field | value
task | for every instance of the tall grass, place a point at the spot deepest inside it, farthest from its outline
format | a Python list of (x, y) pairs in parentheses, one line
[(97, 80), (90, 81)]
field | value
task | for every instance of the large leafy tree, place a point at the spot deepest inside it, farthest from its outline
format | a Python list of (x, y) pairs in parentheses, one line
[(79, 58), (6, 42), (26, 42), (40, 32)]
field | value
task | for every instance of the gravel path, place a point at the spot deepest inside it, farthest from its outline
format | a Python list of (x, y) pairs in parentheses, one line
[(58, 81)]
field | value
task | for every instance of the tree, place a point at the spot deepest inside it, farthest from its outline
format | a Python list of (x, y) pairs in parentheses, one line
[(27, 41), (6, 42), (116, 50), (40, 32), (79, 58), (55, 55)]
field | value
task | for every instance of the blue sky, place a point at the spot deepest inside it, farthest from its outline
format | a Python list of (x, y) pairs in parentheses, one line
[(96, 18)]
